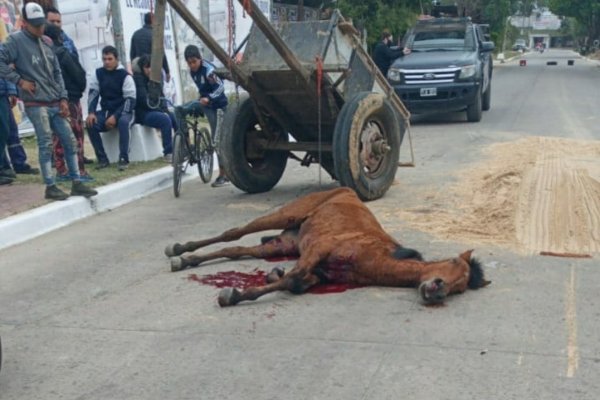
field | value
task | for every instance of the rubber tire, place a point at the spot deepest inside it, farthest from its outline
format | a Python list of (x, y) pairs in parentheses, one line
[(486, 102), (178, 160), (254, 176), (204, 154), (366, 106), (474, 110)]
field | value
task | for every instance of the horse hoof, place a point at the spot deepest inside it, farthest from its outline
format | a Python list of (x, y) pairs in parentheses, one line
[(173, 250), (433, 291), (229, 297), (275, 274), (177, 264)]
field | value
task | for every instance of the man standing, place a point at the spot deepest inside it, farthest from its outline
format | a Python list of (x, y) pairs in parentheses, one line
[(384, 54), (75, 82), (41, 87), (141, 43), (116, 89), (8, 97), (53, 17)]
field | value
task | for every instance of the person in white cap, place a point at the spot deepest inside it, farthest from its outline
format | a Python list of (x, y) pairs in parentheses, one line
[(41, 87)]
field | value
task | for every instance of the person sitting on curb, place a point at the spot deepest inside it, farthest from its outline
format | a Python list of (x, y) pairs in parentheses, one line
[(159, 118), (115, 87), (41, 87), (212, 95), (75, 82)]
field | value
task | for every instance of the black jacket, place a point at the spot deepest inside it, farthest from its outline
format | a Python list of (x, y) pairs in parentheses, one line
[(72, 72), (141, 102), (383, 56), (141, 43)]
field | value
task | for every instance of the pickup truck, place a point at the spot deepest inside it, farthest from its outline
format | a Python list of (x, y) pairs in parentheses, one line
[(449, 68)]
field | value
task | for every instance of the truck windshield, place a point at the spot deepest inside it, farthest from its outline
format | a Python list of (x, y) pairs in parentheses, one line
[(436, 40)]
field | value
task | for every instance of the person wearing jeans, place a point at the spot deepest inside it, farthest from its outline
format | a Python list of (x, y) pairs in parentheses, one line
[(37, 74), (159, 117), (115, 89)]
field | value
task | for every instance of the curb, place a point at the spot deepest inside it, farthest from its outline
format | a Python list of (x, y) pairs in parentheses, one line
[(38, 221)]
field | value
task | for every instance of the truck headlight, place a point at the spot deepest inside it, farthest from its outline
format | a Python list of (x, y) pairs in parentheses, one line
[(468, 71), (394, 75)]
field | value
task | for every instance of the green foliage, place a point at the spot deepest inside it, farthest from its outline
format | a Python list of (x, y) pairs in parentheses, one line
[(375, 16), (585, 12)]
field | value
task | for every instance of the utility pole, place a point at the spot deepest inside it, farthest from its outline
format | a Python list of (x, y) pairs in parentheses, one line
[(117, 30)]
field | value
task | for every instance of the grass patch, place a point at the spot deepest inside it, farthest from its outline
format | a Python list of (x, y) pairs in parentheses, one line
[(102, 177)]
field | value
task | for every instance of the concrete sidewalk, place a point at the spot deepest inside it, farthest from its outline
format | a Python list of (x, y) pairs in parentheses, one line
[(38, 221)]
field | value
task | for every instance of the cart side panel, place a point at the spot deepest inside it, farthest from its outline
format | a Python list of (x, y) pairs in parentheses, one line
[(305, 39), (288, 91)]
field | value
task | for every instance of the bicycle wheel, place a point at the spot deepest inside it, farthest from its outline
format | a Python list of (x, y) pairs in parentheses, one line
[(204, 154), (178, 162)]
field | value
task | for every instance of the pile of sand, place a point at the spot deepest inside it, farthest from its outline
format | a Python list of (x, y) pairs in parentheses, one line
[(534, 194)]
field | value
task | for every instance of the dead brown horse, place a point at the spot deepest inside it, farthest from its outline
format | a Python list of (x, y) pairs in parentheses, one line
[(337, 240)]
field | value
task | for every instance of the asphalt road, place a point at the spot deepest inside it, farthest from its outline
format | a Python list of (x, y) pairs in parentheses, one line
[(92, 312)]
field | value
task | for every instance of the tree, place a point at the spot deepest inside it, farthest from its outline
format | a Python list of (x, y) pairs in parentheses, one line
[(375, 16), (585, 12)]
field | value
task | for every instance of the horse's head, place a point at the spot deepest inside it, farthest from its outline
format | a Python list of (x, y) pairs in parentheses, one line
[(442, 278)]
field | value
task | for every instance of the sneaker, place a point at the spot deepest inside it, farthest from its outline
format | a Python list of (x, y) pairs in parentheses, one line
[(220, 181), (87, 160), (86, 178), (8, 173), (63, 178), (123, 164), (102, 164), (54, 193), (79, 188), (5, 181), (27, 169), (168, 158)]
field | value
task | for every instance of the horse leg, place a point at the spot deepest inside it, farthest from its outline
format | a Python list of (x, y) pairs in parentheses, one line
[(279, 246), (289, 216), (297, 281), (290, 281)]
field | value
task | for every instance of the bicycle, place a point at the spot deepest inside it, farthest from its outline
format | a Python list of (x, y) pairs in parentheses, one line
[(186, 153)]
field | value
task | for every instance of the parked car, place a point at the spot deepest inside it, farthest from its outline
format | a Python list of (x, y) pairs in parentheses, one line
[(449, 68), (520, 44)]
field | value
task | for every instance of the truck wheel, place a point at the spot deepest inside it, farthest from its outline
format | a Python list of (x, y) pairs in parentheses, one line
[(247, 166), (486, 102), (474, 110), (366, 144)]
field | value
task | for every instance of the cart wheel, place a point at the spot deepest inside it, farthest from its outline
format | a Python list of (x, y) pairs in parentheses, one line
[(366, 144), (247, 166), (204, 154)]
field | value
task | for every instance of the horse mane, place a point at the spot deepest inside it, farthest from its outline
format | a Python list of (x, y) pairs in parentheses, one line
[(403, 253), (476, 276)]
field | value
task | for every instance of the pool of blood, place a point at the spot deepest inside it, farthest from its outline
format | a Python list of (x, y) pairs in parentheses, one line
[(256, 277)]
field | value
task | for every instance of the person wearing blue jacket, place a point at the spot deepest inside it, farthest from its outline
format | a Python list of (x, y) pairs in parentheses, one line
[(114, 87), (8, 98), (212, 95)]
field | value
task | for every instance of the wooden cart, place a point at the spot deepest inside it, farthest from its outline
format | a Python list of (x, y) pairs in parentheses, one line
[(312, 82)]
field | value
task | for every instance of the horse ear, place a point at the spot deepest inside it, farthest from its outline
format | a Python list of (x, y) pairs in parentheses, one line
[(467, 255)]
